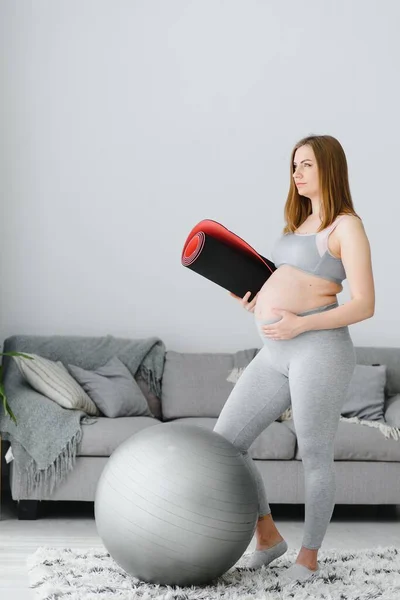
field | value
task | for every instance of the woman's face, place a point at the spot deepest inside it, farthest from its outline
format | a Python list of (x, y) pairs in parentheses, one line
[(305, 172)]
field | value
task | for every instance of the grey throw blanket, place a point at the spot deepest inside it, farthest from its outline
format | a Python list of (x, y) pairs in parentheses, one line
[(46, 438)]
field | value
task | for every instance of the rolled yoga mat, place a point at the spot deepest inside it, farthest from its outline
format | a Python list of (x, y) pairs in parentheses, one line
[(221, 256)]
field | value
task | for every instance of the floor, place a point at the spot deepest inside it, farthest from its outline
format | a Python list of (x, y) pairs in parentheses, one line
[(72, 525)]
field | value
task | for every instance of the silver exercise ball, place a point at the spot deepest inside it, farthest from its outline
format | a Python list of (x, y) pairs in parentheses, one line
[(176, 505)]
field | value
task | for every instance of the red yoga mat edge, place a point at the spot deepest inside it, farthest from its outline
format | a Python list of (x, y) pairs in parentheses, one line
[(223, 234)]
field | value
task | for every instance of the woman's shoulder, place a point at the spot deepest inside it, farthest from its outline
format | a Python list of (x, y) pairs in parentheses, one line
[(348, 222), (348, 218)]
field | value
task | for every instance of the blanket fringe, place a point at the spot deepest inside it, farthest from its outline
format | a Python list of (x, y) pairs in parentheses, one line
[(44, 481), (387, 430), (234, 375)]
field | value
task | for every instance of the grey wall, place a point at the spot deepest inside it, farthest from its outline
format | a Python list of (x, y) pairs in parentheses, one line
[(124, 123)]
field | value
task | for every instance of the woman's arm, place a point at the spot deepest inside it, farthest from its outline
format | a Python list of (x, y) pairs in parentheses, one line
[(355, 253)]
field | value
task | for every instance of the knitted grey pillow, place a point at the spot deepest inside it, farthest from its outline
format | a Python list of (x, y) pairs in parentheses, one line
[(113, 389)]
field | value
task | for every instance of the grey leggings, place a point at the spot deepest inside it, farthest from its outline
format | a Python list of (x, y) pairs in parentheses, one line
[(311, 372)]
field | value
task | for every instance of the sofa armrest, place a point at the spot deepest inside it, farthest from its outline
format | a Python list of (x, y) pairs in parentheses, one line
[(392, 411)]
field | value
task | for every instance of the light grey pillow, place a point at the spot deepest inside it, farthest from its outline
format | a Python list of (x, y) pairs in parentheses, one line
[(366, 393), (113, 389)]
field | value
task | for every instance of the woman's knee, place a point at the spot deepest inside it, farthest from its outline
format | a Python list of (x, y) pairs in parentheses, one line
[(221, 429), (316, 454), (227, 432)]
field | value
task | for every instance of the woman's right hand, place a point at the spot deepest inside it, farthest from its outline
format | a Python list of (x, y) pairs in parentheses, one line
[(250, 306)]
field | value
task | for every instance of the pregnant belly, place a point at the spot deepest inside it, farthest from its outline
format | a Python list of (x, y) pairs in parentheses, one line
[(294, 290)]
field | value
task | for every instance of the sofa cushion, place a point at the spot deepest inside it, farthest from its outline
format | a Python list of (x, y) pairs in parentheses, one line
[(194, 384), (365, 397), (359, 442), (370, 355), (276, 442), (104, 435), (113, 389)]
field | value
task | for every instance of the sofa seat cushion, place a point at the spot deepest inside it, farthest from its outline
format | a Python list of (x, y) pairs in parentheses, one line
[(276, 442), (102, 437), (359, 442)]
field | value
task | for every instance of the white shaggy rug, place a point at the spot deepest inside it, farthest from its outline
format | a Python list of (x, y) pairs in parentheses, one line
[(73, 574)]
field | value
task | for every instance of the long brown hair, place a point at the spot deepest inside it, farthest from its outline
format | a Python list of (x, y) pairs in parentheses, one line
[(333, 182)]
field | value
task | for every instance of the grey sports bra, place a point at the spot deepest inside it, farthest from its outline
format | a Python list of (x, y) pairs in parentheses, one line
[(309, 252)]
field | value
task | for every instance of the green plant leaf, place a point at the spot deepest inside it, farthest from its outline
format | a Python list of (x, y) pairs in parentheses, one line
[(6, 407), (16, 354)]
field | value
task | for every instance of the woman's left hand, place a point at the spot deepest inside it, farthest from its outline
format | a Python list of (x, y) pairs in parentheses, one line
[(288, 327)]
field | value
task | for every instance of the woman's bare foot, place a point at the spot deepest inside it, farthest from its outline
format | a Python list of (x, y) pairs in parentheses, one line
[(267, 534), (308, 558), (264, 544)]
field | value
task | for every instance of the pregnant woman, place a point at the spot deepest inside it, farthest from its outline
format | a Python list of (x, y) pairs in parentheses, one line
[(307, 358)]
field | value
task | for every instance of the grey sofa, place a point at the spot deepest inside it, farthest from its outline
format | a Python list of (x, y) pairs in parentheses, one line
[(194, 389)]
